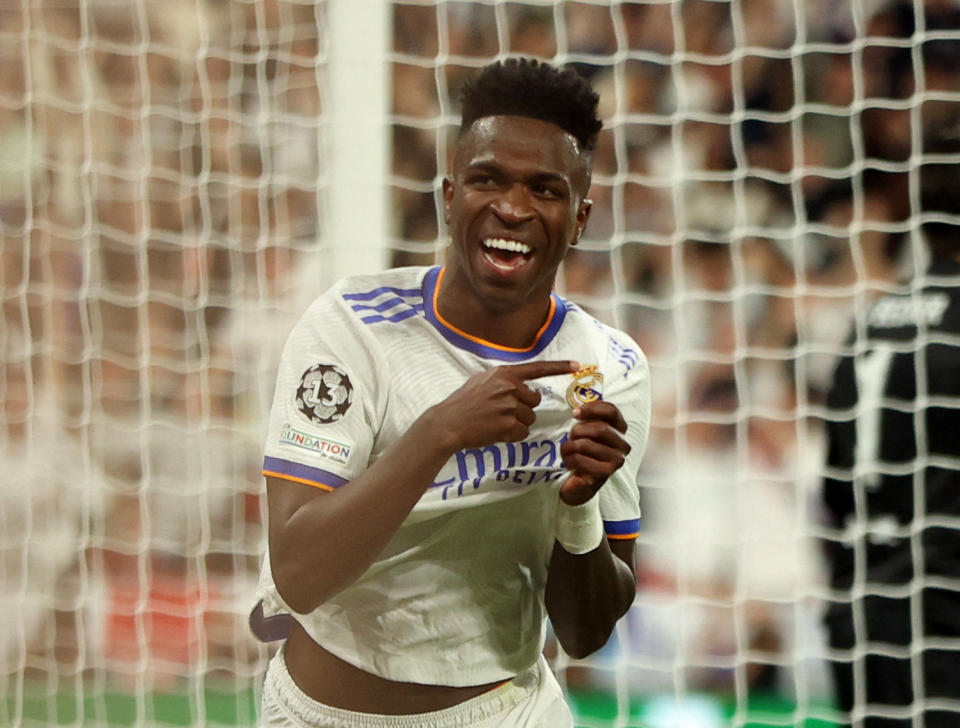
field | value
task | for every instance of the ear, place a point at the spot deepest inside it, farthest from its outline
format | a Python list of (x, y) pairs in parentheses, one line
[(583, 214), (447, 198)]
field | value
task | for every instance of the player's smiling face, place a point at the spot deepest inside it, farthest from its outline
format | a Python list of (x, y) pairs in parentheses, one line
[(514, 204)]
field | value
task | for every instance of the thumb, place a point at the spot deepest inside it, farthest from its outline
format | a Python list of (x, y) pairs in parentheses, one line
[(578, 489)]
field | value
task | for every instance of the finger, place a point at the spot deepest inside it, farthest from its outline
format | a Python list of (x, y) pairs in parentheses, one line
[(537, 369), (601, 410), (591, 468), (525, 415), (593, 450), (517, 432), (529, 397), (600, 432), (577, 489)]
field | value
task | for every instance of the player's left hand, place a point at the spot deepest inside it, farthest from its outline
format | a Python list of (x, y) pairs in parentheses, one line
[(595, 450)]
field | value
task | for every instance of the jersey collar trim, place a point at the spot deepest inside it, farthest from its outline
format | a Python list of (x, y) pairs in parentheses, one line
[(481, 347)]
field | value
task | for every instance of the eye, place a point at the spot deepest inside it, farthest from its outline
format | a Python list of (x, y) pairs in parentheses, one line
[(481, 179), (546, 190)]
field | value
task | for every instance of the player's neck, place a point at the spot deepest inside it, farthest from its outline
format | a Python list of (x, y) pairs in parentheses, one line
[(516, 327)]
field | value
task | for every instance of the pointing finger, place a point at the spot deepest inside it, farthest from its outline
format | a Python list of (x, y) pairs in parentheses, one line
[(537, 369)]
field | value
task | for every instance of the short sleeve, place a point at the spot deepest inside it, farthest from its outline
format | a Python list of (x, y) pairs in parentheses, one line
[(627, 385), (324, 412)]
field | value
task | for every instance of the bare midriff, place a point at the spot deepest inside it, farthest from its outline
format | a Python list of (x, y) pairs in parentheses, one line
[(329, 680)]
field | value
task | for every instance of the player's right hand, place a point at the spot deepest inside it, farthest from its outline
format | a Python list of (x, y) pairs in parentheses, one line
[(495, 405)]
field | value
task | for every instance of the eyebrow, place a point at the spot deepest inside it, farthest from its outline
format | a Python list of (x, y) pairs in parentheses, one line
[(486, 165)]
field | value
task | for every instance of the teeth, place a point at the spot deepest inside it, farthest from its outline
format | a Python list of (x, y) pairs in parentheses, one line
[(510, 245)]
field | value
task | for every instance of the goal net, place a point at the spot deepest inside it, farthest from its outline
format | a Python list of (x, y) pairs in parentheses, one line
[(179, 179)]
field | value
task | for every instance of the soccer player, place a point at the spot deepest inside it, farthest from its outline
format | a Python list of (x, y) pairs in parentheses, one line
[(893, 491), (453, 451)]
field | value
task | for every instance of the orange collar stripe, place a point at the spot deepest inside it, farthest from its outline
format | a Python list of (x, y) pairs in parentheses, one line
[(484, 342)]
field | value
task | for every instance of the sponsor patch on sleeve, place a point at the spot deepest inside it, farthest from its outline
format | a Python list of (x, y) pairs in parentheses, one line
[(324, 394), (330, 450)]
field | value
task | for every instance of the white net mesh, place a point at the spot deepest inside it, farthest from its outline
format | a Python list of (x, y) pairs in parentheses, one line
[(164, 191)]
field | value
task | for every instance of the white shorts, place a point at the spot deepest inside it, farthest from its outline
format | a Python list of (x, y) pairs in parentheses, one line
[(533, 699)]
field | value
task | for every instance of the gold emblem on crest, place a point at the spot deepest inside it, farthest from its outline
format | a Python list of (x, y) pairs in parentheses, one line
[(585, 386)]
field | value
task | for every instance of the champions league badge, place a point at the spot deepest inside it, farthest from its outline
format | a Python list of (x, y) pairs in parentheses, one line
[(324, 394), (585, 386)]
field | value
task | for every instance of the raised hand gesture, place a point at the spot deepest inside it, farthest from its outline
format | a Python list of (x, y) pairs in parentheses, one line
[(495, 405)]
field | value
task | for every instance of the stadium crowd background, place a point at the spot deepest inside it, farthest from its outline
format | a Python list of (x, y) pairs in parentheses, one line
[(160, 197)]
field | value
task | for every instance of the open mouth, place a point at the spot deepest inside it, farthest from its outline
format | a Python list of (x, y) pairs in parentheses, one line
[(506, 255)]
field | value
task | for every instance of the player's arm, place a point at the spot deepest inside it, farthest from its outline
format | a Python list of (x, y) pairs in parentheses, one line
[(587, 593), (321, 542)]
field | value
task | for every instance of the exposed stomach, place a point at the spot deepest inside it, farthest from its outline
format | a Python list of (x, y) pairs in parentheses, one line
[(334, 682)]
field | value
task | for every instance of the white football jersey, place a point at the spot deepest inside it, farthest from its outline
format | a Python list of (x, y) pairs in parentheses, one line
[(456, 598)]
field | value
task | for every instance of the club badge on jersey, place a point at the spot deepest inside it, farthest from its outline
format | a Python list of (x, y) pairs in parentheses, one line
[(324, 394), (585, 387)]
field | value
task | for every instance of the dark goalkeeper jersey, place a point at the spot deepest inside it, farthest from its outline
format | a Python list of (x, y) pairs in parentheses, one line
[(892, 487)]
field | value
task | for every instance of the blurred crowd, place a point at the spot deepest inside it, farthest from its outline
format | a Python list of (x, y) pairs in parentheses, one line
[(753, 192), (161, 186)]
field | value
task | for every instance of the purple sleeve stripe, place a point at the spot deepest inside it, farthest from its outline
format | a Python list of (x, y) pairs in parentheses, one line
[(622, 529), (301, 473)]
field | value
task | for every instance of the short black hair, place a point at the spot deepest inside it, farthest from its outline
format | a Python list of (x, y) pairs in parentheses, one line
[(527, 87)]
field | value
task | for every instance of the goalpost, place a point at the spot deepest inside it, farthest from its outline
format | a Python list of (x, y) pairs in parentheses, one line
[(179, 179)]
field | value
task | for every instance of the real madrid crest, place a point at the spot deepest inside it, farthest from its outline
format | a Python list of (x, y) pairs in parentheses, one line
[(324, 394), (585, 387)]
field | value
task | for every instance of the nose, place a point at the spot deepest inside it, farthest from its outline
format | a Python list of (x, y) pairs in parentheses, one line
[(513, 205)]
